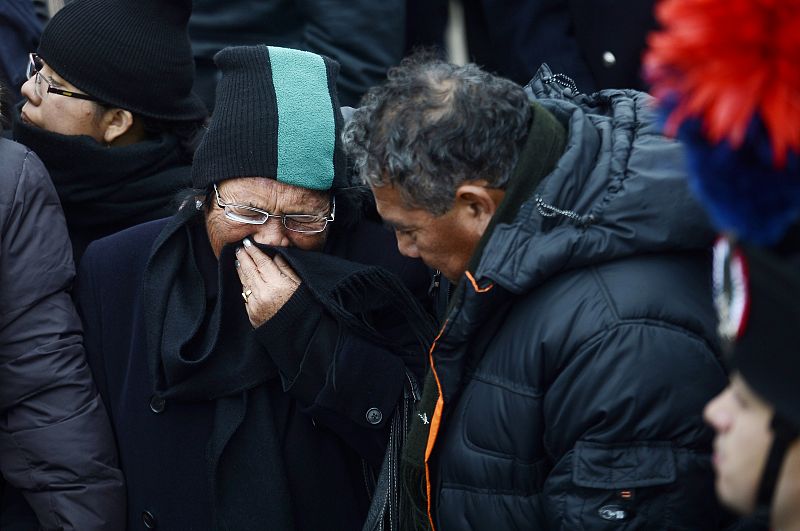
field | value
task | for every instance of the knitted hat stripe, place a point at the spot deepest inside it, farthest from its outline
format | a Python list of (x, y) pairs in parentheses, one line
[(277, 117), (306, 141)]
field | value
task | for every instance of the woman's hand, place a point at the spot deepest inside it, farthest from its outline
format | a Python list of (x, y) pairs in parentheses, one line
[(267, 283)]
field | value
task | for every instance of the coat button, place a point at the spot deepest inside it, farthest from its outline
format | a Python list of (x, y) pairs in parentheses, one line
[(374, 416), (609, 59), (149, 520), (157, 404)]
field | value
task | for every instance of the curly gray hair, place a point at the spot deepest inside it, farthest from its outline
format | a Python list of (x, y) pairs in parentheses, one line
[(434, 125)]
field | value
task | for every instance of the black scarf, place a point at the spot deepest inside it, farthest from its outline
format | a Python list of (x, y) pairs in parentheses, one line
[(106, 189), (202, 347)]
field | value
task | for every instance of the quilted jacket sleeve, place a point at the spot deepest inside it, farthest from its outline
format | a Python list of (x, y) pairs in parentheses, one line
[(56, 443)]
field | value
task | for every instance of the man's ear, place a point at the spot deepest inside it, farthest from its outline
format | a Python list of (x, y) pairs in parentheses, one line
[(477, 204), (116, 123)]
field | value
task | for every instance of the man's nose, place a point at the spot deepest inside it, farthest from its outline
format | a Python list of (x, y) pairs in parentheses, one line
[(407, 247)]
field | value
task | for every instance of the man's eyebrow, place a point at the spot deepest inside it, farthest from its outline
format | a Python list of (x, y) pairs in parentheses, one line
[(395, 225)]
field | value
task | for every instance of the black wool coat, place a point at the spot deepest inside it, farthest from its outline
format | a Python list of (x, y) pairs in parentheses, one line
[(330, 436)]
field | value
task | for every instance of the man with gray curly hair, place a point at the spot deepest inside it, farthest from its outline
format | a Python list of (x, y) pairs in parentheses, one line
[(578, 347)]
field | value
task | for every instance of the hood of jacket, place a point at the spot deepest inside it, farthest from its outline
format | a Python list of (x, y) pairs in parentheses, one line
[(618, 190)]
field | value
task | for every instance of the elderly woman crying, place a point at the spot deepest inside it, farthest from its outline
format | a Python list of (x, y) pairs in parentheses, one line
[(253, 347)]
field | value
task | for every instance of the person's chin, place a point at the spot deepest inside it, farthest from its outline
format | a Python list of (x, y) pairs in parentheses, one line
[(731, 496), (24, 118)]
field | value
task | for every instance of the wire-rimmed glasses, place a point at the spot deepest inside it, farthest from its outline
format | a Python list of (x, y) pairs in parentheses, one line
[(35, 65), (302, 223)]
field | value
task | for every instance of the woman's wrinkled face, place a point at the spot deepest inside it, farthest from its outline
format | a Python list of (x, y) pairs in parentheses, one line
[(741, 420), (273, 197), (57, 113)]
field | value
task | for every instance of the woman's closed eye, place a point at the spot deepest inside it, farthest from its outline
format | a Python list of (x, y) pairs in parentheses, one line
[(247, 213)]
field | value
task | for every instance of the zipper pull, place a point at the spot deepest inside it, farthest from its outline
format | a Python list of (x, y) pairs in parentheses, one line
[(435, 282)]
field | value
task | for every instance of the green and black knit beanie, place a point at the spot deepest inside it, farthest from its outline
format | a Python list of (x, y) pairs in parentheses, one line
[(130, 54), (277, 116)]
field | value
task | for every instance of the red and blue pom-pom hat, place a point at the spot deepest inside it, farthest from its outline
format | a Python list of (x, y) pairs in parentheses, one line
[(726, 74)]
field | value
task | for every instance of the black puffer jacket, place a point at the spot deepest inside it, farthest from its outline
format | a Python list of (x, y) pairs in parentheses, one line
[(574, 368), (56, 444)]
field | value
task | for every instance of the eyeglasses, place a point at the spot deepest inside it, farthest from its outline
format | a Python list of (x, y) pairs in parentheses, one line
[(303, 223), (35, 65)]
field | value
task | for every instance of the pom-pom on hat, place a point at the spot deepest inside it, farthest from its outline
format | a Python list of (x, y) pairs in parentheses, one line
[(727, 74), (133, 54), (277, 116)]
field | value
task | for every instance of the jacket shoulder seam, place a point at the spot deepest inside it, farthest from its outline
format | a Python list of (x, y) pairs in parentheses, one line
[(643, 322)]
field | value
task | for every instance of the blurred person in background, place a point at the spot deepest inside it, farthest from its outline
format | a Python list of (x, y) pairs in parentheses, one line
[(56, 444), (19, 34), (253, 348), (757, 417), (726, 74), (110, 111), (597, 43), (364, 36)]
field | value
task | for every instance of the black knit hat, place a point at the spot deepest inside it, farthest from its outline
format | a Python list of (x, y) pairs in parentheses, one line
[(277, 116), (757, 293), (133, 54)]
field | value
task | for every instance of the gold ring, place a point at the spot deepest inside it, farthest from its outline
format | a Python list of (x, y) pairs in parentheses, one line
[(246, 293)]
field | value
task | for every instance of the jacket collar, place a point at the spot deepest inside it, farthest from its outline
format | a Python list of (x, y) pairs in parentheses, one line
[(618, 190)]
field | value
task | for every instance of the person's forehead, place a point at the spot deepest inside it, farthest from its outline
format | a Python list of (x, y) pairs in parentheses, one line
[(389, 198), (396, 215), (756, 404), (254, 189)]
